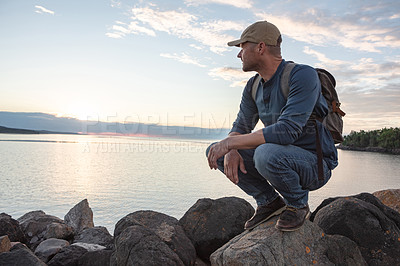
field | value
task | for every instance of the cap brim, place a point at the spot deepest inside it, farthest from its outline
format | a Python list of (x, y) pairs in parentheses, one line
[(235, 43)]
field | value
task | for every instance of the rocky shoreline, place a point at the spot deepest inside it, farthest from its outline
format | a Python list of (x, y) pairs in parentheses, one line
[(370, 149), (363, 229)]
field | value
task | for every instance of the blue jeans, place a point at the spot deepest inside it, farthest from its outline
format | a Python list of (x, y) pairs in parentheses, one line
[(272, 168)]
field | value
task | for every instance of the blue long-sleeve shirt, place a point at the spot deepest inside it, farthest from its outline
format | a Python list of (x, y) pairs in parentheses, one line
[(286, 121)]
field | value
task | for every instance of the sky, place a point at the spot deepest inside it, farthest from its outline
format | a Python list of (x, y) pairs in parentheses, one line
[(167, 62)]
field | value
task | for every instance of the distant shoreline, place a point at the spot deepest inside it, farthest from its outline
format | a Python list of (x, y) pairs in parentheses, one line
[(370, 149), (9, 130)]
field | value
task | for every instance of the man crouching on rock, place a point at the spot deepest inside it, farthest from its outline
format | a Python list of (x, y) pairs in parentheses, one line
[(281, 157)]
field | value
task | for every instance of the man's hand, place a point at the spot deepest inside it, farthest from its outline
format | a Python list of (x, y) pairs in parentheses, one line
[(232, 162), (217, 150)]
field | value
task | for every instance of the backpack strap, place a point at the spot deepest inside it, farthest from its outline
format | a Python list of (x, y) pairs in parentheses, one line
[(256, 82), (285, 76)]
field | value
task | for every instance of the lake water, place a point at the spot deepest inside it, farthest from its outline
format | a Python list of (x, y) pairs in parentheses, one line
[(120, 175)]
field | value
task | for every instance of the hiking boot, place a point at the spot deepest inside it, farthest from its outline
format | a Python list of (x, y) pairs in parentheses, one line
[(292, 219), (265, 212)]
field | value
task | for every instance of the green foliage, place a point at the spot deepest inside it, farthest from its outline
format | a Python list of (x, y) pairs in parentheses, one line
[(388, 138)]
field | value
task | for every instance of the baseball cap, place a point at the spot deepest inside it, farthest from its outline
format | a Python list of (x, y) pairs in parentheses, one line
[(261, 31)]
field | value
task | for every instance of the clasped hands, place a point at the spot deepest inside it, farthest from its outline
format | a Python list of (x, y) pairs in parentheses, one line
[(232, 160)]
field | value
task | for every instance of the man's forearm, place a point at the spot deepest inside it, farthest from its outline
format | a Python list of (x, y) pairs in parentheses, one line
[(247, 141)]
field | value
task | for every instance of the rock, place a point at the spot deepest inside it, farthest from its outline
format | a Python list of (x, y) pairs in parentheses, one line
[(58, 230), (89, 247), (389, 197), (39, 226), (11, 227), (211, 223), (5, 244), (50, 247), (80, 216), (138, 245), (96, 258), (366, 221), (68, 256), (265, 245), (166, 228), (96, 235), (20, 255)]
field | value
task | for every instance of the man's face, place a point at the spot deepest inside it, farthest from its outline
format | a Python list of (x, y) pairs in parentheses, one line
[(248, 55)]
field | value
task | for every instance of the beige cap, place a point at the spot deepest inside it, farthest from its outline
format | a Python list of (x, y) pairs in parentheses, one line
[(261, 31)]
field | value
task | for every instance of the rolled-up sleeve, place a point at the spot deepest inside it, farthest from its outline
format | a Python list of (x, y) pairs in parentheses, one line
[(247, 117), (304, 92)]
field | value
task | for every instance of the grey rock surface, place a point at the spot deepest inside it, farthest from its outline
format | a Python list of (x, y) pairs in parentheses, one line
[(368, 223), (166, 228), (309, 245), (96, 235), (138, 245), (68, 256), (96, 258), (50, 247), (11, 227), (20, 255), (89, 247), (80, 216), (211, 223), (39, 226)]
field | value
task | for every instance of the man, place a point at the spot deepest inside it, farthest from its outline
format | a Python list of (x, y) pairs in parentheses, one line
[(281, 157)]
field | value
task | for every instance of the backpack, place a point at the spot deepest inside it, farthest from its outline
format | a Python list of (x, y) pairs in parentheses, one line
[(333, 120)]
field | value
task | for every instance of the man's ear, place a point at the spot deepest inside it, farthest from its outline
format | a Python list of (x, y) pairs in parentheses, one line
[(261, 48)]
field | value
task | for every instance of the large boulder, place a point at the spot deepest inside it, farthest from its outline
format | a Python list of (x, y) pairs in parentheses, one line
[(50, 247), (389, 197), (138, 245), (266, 245), (20, 255), (165, 227), (96, 235), (96, 258), (365, 220), (39, 226), (80, 216), (11, 227), (67, 256), (211, 223)]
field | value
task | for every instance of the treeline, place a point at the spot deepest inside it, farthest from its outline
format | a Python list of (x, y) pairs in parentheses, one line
[(387, 138)]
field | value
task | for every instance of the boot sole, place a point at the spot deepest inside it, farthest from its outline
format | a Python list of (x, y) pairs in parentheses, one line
[(291, 229), (277, 212)]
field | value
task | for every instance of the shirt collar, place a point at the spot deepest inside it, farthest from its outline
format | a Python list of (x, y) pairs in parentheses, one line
[(276, 74)]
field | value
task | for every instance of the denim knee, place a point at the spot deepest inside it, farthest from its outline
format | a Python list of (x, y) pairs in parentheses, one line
[(264, 155)]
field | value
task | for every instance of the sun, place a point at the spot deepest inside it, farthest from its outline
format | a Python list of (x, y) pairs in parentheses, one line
[(82, 111)]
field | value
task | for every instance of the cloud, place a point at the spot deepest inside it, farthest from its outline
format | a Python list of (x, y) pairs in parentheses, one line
[(235, 3), (183, 58), (150, 20), (320, 28), (235, 75), (325, 61), (41, 10)]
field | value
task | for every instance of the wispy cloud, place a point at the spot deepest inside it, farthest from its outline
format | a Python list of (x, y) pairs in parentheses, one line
[(352, 31), (150, 20), (42, 10), (234, 75), (183, 58), (235, 3)]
